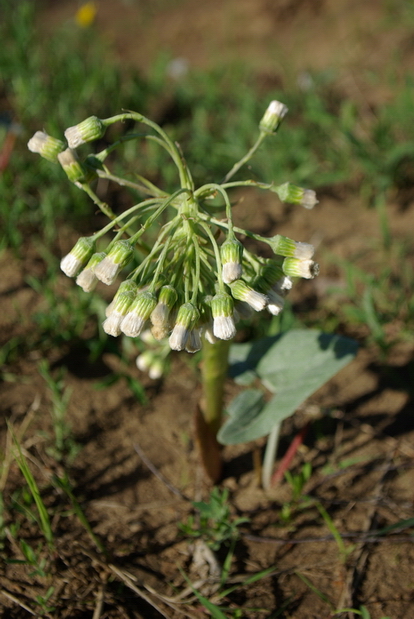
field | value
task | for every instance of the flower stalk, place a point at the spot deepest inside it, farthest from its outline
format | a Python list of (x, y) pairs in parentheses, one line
[(214, 369)]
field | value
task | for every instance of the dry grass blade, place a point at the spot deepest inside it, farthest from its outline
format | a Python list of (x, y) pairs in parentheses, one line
[(157, 474), (99, 602), (12, 598), (128, 582)]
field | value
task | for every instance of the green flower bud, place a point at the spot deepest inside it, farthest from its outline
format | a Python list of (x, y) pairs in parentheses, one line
[(78, 256), (128, 285), (87, 131), (231, 257), (87, 278), (206, 319), (138, 314), (293, 267), (46, 146), (160, 317), (74, 169), (166, 301), (222, 307), (187, 318), (242, 292), (273, 116), (116, 259), (282, 246), (271, 273), (112, 325), (296, 195)]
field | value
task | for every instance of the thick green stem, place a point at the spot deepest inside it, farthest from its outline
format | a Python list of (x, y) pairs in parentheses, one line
[(214, 374), (209, 415)]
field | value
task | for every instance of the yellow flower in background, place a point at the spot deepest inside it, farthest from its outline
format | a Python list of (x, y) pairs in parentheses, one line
[(85, 15)]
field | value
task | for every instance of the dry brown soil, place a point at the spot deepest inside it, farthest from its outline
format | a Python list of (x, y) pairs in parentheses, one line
[(368, 421)]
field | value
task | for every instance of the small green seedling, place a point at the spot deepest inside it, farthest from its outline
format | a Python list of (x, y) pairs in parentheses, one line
[(214, 523)]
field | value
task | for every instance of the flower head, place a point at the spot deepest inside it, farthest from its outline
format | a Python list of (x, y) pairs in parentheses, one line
[(273, 116), (296, 195), (116, 259), (242, 292), (138, 314), (88, 130), (78, 256), (160, 317), (231, 259), (87, 278), (223, 322), (46, 146), (112, 324), (283, 246), (294, 267), (187, 318)]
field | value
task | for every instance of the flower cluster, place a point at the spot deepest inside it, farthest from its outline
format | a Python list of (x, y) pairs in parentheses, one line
[(197, 279)]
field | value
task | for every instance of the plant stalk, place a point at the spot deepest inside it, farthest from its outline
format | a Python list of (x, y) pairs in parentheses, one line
[(209, 414)]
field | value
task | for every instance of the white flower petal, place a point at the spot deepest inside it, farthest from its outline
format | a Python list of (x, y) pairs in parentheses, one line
[(70, 265), (224, 327)]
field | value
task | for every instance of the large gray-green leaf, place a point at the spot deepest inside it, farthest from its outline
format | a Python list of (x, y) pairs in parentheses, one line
[(293, 366)]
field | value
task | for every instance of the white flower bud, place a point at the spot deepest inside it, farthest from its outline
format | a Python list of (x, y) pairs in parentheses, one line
[(208, 333), (87, 278), (283, 285), (223, 322), (78, 256), (46, 146), (309, 199), (70, 265), (117, 258), (283, 246), (296, 195), (276, 302), (273, 116), (145, 360), (74, 169), (120, 306), (231, 256), (187, 317), (193, 343), (156, 370), (300, 268), (242, 292), (88, 130), (138, 314), (178, 337)]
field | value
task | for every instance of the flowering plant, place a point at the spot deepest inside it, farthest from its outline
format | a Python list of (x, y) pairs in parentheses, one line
[(197, 279)]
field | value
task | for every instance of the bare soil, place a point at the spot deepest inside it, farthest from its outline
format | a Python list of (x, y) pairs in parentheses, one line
[(360, 447)]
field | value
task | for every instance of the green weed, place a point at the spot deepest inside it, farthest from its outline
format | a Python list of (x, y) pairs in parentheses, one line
[(299, 501), (214, 523), (64, 445), (42, 513)]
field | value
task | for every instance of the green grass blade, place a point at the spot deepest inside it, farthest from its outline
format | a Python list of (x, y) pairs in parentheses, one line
[(214, 610), (312, 587), (248, 581), (332, 528), (33, 487), (64, 485)]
